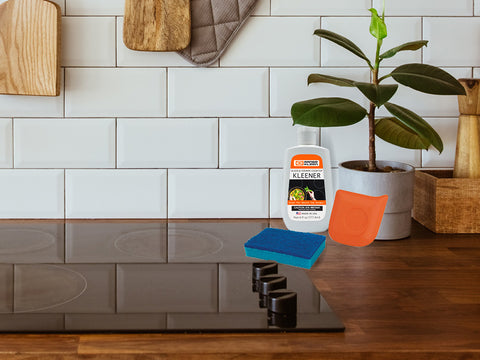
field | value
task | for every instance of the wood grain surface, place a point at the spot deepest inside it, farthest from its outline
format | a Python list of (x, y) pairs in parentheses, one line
[(445, 204), (417, 298), (157, 25), (30, 47)]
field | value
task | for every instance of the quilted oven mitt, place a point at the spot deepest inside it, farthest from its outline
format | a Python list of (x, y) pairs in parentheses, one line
[(214, 25)]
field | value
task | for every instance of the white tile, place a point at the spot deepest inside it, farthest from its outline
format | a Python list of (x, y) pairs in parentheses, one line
[(88, 41), (275, 41), (95, 7), (262, 8), (320, 7), (452, 48), (31, 194), (476, 73), (447, 129), (400, 30), (217, 92), (276, 188), (167, 143), (32, 106), (289, 85), (351, 143), (127, 57), (218, 193), (6, 150), (116, 193), (426, 7), (115, 92), (253, 143), (477, 7), (426, 104), (64, 143)]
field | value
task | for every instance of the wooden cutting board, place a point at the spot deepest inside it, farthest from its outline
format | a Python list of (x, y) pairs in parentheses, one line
[(30, 47), (157, 25)]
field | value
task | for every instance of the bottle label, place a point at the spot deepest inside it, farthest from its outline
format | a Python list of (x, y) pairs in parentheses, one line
[(306, 188)]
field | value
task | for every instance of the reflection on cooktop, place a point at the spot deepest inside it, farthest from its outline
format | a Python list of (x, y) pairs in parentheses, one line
[(178, 276)]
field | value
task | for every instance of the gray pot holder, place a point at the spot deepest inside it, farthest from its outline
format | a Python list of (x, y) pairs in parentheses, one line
[(214, 25)]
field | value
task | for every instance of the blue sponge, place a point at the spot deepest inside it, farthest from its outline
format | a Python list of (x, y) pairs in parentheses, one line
[(286, 247)]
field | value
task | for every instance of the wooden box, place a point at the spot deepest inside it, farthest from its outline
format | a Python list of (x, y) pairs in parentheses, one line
[(445, 204)]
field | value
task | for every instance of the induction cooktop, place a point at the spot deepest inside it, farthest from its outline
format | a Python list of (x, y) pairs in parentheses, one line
[(159, 276)]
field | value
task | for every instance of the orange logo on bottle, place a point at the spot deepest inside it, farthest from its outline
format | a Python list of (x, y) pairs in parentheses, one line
[(303, 161)]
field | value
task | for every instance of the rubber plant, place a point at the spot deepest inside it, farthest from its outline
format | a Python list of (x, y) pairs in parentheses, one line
[(403, 128)]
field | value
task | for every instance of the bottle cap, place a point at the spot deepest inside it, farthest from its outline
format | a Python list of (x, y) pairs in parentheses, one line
[(307, 135)]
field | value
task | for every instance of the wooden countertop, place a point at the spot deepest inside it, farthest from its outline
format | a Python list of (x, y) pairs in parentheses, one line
[(417, 298)]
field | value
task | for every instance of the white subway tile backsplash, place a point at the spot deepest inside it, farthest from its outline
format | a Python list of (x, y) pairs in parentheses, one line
[(427, 104), (426, 7), (289, 85), (167, 143), (32, 106), (64, 143), (217, 92), (452, 48), (116, 193), (34, 194), (88, 41), (6, 151), (400, 30), (224, 193), (95, 7), (253, 143), (276, 188), (128, 122), (131, 58), (262, 43), (115, 92), (320, 7), (447, 129)]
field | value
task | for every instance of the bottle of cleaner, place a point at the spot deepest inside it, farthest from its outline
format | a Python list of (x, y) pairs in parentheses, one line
[(307, 197)]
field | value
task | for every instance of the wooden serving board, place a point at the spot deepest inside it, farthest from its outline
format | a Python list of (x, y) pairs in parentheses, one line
[(157, 25), (30, 47)]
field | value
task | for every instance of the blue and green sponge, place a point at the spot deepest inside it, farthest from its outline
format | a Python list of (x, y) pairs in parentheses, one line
[(287, 247)]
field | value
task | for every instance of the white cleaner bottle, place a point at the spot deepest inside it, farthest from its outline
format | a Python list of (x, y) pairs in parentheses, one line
[(307, 197)]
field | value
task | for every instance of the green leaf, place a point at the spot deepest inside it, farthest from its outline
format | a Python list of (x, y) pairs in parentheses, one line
[(416, 124), (378, 28), (428, 79), (395, 132), (320, 78), (413, 45), (378, 94), (326, 112), (343, 42)]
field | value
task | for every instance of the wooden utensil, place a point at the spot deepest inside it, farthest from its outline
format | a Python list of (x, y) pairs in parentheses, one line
[(157, 25), (467, 154), (30, 47)]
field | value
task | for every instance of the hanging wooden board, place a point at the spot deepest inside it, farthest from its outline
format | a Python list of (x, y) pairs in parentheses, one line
[(30, 47), (157, 25)]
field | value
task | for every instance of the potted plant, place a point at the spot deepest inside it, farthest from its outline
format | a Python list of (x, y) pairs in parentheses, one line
[(403, 128)]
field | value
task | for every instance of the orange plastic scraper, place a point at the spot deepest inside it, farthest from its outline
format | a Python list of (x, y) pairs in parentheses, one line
[(356, 218)]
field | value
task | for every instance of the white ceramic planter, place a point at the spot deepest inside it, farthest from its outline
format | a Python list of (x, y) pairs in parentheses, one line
[(397, 219)]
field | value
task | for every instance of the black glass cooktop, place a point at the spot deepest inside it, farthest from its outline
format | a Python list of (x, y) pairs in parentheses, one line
[(184, 276)]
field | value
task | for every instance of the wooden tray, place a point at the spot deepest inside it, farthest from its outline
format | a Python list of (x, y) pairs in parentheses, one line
[(30, 47), (157, 25), (445, 204)]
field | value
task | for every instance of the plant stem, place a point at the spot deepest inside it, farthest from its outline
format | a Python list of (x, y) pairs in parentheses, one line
[(372, 163)]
